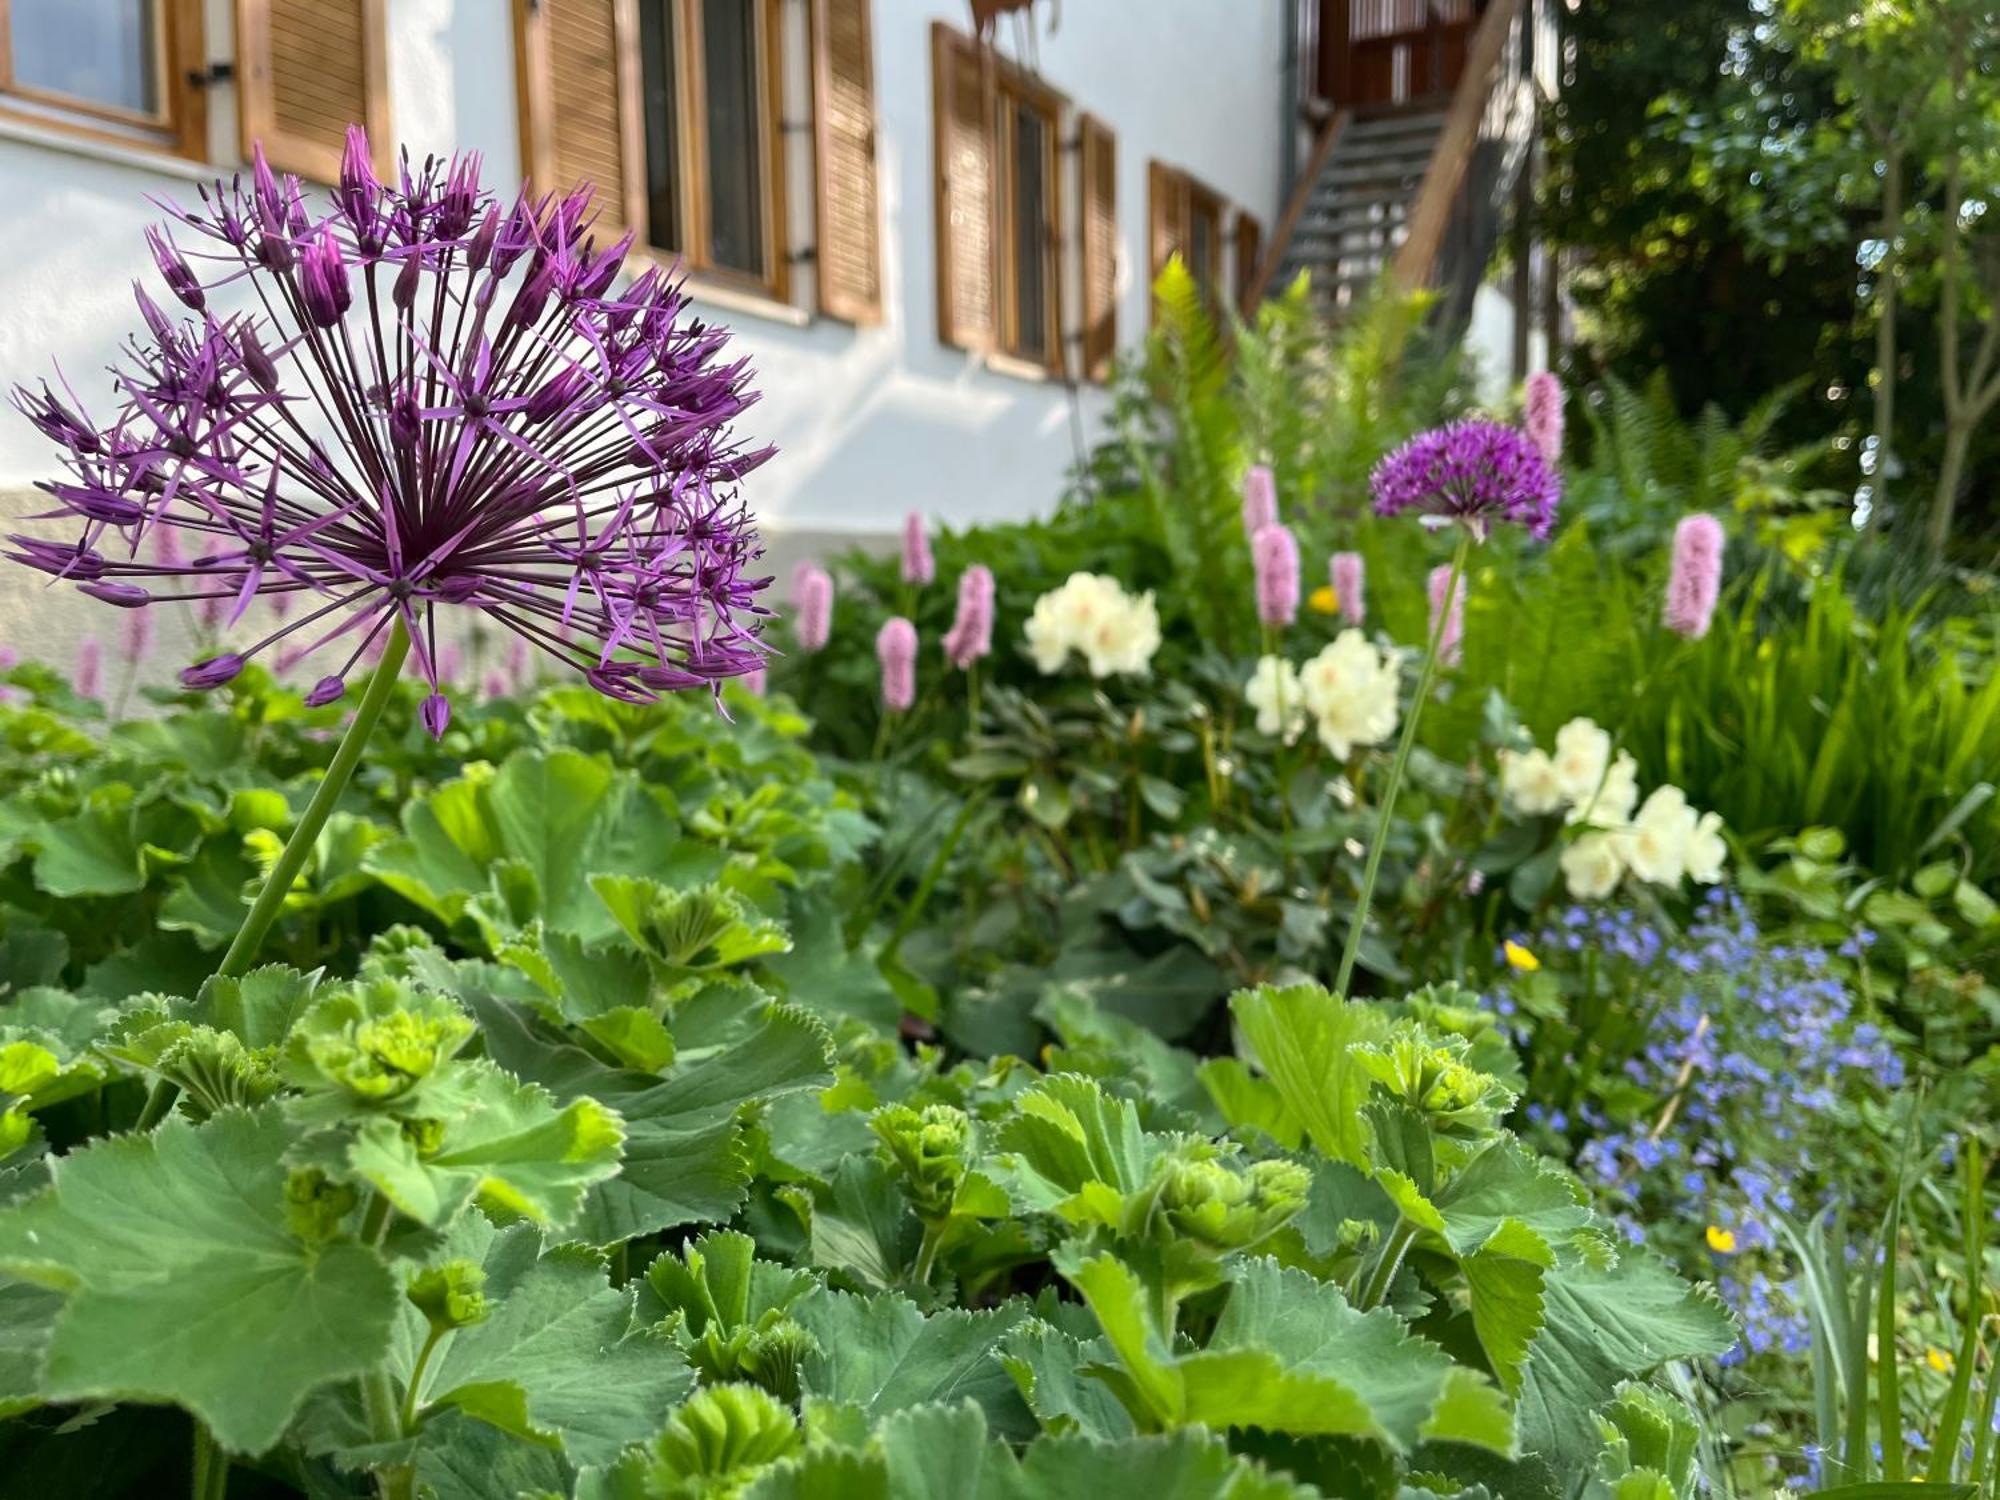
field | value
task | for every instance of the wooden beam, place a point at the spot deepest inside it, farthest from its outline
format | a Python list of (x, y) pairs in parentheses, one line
[(1281, 237), (1430, 212)]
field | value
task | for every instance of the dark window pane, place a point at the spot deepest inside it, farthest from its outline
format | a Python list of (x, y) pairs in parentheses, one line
[(735, 135), (1031, 234), (102, 51), (1202, 253), (656, 50)]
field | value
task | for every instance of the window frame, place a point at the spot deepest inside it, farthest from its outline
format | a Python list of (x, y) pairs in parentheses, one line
[(1015, 92), (180, 129), (691, 170)]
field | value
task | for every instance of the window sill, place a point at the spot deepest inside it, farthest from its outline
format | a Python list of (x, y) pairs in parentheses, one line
[(95, 147), (735, 299), (1014, 367)]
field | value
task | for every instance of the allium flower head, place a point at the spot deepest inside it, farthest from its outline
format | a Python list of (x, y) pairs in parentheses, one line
[(919, 567), (971, 633), (896, 651), (1696, 579), (1260, 500), (1275, 554), (1349, 576), (1474, 473), (1542, 414), (438, 402)]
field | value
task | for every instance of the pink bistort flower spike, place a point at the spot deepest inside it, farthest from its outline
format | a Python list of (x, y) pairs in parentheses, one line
[(813, 624), (1349, 576), (1696, 579), (1275, 554), (971, 633), (1542, 415), (88, 678), (1454, 617), (896, 649), (919, 567), (1260, 500)]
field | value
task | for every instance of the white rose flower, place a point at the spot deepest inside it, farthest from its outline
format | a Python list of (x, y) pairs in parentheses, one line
[(1610, 804), (1592, 867), (1350, 690), (1582, 754), (1090, 614), (1048, 636), (1273, 690), (1655, 847), (1530, 782), (1705, 852)]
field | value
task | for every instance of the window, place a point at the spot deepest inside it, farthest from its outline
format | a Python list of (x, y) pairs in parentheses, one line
[(997, 158), (714, 172), (674, 110), (1187, 221), (1249, 256), (116, 69)]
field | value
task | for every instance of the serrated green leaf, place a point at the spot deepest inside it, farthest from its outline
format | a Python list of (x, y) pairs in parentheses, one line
[(1302, 1037), (261, 1007), (183, 1283)]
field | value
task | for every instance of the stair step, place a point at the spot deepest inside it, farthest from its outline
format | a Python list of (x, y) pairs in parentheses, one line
[(1383, 127)]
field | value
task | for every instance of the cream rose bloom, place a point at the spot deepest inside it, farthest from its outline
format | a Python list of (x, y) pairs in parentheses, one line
[(1610, 803), (1592, 867), (1274, 692), (1705, 853), (1094, 617), (1582, 755), (1655, 847), (1350, 690), (1529, 780)]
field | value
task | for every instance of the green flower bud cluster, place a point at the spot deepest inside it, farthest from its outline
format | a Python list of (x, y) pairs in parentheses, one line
[(316, 1206), (451, 1295), (213, 1069), (1432, 1077), (717, 1442), (929, 1151), (1222, 1207), (376, 1042)]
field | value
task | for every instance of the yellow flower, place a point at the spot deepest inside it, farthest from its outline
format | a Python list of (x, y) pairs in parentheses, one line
[(1938, 1360), (1323, 600), (1721, 1241), (1519, 957)]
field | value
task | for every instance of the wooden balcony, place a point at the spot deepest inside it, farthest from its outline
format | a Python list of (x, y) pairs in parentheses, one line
[(1372, 56)]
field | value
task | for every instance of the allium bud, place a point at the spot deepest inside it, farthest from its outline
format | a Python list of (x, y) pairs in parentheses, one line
[(174, 270), (212, 673), (919, 567), (327, 690), (896, 649), (1696, 579), (971, 634), (1275, 554), (323, 286), (435, 714), (1260, 500), (1454, 614), (1349, 576), (1542, 414), (814, 623)]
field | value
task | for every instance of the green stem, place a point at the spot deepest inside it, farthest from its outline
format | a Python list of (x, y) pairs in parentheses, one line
[(407, 1423), (375, 1220), (1382, 1275), (211, 1465), (972, 700), (378, 1396), (1396, 767), (278, 884), (927, 1253)]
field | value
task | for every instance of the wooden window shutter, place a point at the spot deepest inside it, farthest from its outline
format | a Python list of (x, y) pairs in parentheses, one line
[(308, 69), (577, 65), (849, 207), (1099, 175), (1169, 209), (1249, 250), (962, 98)]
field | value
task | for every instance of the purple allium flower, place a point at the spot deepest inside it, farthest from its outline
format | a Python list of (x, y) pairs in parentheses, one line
[(1696, 579), (1260, 500), (1454, 614), (1275, 554), (1473, 472), (896, 649), (438, 401), (1542, 415), (87, 678), (813, 624), (919, 567), (971, 633), (1349, 576)]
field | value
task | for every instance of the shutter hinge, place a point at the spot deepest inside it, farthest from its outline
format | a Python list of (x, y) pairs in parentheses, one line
[(210, 76)]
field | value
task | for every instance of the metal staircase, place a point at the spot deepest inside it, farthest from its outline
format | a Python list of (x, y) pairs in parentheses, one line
[(1357, 209)]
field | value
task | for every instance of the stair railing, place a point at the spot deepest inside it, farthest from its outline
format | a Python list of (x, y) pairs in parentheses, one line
[(1492, 108), (1302, 191)]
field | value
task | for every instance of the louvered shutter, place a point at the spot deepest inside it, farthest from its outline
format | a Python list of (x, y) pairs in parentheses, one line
[(1168, 208), (581, 121), (307, 70), (1249, 250), (962, 98), (849, 211), (1099, 175)]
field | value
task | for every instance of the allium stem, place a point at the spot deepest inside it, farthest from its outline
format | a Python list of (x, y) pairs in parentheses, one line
[(271, 899), (1425, 676)]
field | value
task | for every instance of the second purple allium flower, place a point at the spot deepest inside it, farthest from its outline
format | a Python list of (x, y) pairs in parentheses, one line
[(441, 402), (1474, 473)]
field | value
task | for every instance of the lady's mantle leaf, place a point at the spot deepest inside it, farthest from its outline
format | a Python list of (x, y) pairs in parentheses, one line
[(184, 1284)]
